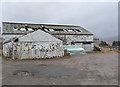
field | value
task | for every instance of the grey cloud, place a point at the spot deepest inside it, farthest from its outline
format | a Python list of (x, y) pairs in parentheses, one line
[(99, 18)]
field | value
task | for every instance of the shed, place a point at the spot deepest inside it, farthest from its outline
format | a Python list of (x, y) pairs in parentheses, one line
[(37, 44)]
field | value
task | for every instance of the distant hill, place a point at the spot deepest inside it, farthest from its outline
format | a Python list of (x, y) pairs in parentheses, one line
[(110, 39)]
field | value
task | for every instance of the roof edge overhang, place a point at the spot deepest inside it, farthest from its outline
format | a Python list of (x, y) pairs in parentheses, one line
[(69, 25), (53, 25), (52, 34)]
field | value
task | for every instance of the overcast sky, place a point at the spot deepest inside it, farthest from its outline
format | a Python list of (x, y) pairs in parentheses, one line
[(100, 18)]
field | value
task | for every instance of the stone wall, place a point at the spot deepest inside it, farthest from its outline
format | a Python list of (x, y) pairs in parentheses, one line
[(33, 49), (82, 39)]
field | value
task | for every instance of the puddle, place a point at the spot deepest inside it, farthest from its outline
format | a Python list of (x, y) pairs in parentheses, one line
[(44, 65), (23, 73), (45, 71)]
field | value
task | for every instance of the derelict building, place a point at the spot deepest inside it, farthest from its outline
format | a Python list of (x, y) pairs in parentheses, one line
[(43, 40), (68, 34)]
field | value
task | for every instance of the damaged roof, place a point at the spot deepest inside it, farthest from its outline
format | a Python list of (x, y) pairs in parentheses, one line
[(8, 27), (38, 35)]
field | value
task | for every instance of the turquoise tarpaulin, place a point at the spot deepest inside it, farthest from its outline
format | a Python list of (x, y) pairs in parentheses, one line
[(75, 49)]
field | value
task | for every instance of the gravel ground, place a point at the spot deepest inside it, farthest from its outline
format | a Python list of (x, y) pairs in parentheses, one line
[(89, 69)]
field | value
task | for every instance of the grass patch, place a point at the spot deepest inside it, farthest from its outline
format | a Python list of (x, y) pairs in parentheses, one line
[(0, 51), (7, 58), (106, 50), (95, 52)]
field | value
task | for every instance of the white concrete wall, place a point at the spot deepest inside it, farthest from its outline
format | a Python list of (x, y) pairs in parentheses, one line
[(8, 37), (78, 38), (88, 47), (35, 49), (6, 49)]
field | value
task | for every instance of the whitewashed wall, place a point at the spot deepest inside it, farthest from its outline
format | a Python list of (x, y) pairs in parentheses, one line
[(24, 50), (7, 49), (78, 38), (7, 37)]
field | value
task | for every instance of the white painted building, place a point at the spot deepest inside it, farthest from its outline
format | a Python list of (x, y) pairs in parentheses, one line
[(37, 44), (70, 35)]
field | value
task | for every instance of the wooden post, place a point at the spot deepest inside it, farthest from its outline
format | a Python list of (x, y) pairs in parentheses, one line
[(13, 51)]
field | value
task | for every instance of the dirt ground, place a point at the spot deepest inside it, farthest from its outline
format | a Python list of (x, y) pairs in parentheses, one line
[(88, 69)]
